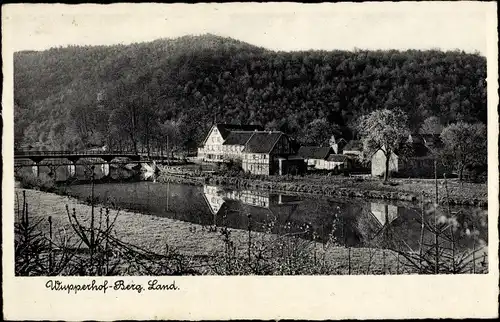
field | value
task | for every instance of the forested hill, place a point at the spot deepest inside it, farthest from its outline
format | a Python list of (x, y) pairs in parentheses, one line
[(138, 95)]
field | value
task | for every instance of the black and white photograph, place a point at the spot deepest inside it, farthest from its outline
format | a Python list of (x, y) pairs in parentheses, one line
[(253, 139)]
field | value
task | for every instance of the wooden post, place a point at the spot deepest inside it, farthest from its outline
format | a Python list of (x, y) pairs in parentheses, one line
[(349, 259), (92, 218), (451, 226), (249, 237), (436, 239), (436, 182), (50, 245), (422, 226)]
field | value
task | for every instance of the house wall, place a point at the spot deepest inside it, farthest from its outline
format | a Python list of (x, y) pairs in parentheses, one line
[(257, 163), (378, 163), (320, 164), (283, 146), (232, 152), (419, 167), (330, 165), (268, 164), (212, 150), (316, 163), (411, 167)]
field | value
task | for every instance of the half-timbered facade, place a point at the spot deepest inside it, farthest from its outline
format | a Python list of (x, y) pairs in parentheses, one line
[(225, 142), (268, 153)]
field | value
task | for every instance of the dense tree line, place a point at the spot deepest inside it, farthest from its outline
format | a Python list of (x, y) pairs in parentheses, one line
[(142, 96)]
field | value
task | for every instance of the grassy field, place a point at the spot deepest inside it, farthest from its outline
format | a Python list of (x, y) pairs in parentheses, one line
[(159, 234)]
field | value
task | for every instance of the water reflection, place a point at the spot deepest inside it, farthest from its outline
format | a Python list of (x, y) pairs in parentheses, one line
[(347, 222)]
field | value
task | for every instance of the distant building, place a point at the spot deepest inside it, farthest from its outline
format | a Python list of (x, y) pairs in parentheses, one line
[(324, 158), (315, 156), (268, 153), (337, 144), (414, 158), (261, 152), (353, 148), (339, 162), (225, 141)]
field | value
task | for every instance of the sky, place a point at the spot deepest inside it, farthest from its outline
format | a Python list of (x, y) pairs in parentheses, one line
[(276, 26)]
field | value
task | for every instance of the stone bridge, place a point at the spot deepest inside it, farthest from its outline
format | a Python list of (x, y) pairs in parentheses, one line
[(70, 158)]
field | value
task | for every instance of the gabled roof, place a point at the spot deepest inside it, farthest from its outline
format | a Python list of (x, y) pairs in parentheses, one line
[(432, 140), (415, 138), (225, 129), (262, 142), (238, 137), (341, 140), (338, 158), (315, 152), (354, 145)]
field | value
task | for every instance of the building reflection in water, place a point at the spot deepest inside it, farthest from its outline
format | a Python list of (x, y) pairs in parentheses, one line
[(216, 197), (213, 199), (384, 213)]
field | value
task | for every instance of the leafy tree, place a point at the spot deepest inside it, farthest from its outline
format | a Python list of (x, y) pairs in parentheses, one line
[(465, 145), (384, 130), (318, 132), (431, 125)]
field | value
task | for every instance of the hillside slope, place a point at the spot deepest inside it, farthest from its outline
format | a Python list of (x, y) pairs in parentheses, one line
[(135, 96)]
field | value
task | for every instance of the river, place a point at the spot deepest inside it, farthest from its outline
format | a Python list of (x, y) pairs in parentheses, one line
[(351, 223)]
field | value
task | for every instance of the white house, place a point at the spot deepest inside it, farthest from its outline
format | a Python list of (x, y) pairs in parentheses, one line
[(225, 141)]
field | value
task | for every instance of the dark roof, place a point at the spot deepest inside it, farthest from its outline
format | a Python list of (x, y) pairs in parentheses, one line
[(354, 145), (432, 140), (341, 140), (262, 142), (415, 138), (225, 129), (338, 158), (413, 150), (238, 137), (314, 152), (419, 150)]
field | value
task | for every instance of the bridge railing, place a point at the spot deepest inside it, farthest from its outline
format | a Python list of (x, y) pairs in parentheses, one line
[(58, 153)]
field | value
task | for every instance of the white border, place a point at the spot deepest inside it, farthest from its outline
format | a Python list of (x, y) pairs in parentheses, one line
[(302, 297)]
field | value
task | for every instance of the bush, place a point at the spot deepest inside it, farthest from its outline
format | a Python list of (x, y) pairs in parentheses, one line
[(231, 168), (476, 173), (42, 182)]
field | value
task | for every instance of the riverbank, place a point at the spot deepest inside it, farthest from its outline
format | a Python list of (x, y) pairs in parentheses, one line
[(410, 190), (159, 234)]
